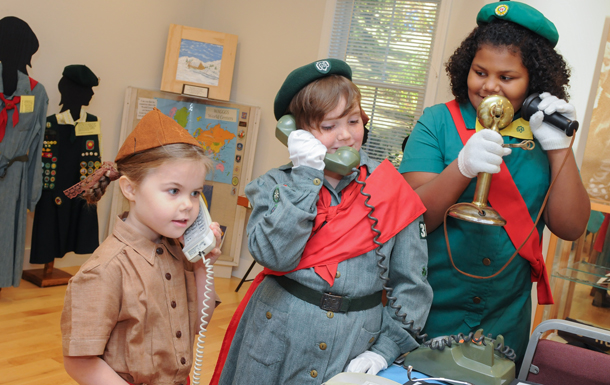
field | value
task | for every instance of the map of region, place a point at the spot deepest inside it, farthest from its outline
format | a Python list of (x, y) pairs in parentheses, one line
[(213, 126)]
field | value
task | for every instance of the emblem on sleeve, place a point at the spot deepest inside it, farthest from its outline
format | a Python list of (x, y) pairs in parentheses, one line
[(276, 195), (422, 230)]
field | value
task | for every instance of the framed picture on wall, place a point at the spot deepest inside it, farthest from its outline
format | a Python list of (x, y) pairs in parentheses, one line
[(199, 62)]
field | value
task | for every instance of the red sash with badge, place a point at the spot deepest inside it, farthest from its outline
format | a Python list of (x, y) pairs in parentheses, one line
[(505, 198), (344, 231)]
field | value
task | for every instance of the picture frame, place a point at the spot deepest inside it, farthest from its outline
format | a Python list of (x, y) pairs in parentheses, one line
[(199, 62)]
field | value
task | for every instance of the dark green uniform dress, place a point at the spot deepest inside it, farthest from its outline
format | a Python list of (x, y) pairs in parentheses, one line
[(61, 224), (501, 305)]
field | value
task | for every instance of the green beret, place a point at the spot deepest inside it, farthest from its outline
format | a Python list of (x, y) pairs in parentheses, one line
[(522, 14), (302, 76), (81, 75)]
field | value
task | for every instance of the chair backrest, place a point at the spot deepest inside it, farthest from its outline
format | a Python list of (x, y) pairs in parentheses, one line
[(550, 362)]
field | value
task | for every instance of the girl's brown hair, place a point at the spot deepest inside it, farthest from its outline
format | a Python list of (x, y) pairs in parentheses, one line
[(137, 166), (320, 97), (547, 70)]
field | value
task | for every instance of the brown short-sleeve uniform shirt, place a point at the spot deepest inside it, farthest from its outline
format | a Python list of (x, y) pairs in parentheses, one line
[(134, 304)]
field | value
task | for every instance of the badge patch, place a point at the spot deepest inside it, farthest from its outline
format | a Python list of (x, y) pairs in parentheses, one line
[(501, 10), (276, 195), (422, 230), (323, 66)]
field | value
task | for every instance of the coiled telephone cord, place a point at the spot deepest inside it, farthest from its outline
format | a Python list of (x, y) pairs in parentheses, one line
[(436, 343), (209, 281)]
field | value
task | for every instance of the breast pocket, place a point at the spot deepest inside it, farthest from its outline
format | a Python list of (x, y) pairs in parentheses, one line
[(26, 121), (265, 340)]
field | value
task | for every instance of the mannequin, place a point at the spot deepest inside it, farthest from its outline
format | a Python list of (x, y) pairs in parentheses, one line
[(23, 108), (71, 152)]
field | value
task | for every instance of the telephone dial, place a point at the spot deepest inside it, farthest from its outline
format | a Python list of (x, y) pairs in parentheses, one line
[(342, 161)]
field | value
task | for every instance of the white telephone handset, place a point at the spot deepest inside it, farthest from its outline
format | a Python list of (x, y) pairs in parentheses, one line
[(199, 238), (198, 241)]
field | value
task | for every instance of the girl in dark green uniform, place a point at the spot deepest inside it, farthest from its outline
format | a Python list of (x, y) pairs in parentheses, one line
[(511, 53)]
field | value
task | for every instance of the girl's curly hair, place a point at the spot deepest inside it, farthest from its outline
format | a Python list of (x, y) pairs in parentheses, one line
[(548, 71)]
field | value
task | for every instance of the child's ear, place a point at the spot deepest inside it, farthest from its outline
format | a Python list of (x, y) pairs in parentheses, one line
[(128, 188)]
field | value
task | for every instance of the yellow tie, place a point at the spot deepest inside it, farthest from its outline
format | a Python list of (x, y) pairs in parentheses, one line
[(519, 129)]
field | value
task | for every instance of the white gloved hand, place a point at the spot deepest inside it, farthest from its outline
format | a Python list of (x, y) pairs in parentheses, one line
[(306, 150), (550, 137), (368, 362), (482, 153)]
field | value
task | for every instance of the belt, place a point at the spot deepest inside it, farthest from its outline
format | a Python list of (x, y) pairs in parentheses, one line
[(4, 163), (328, 301)]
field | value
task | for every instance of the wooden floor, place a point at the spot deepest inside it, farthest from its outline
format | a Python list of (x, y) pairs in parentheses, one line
[(30, 337)]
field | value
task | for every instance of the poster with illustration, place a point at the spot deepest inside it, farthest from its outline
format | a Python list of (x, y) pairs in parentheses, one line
[(199, 62)]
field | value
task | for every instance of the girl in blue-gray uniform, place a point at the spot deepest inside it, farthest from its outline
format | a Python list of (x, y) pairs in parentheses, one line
[(309, 230)]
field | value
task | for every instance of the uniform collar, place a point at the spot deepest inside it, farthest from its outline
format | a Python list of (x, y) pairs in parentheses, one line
[(143, 246), (66, 117)]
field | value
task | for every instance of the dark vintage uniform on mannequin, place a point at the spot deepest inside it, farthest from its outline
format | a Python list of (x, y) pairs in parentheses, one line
[(62, 225)]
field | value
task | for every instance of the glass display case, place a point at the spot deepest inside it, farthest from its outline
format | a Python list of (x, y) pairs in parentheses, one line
[(579, 274)]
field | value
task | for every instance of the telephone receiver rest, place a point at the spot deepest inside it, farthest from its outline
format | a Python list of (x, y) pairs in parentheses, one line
[(341, 161), (530, 107)]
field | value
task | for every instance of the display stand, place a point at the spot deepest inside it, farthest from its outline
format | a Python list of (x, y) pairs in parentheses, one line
[(47, 276)]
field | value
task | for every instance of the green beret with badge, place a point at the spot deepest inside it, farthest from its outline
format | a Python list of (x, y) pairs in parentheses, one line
[(302, 76), (522, 14), (81, 75)]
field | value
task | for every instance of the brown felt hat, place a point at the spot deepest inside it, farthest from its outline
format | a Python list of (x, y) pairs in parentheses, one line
[(155, 129)]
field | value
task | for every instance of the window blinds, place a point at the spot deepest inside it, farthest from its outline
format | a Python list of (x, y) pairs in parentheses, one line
[(388, 44)]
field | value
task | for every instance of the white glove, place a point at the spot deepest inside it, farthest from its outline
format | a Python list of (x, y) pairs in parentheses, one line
[(550, 137), (369, 362), (306, 150), (482, 153)]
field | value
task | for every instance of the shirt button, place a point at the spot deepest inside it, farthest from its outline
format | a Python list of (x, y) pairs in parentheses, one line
[(476, 300), (159, 250), (178, 334), (323, 346), (486, 261), (269, 315), (337, 275), (314, 373), (372, 340), (330, 314), (168, 276), (317, 182), (183, 360), (173, 304)]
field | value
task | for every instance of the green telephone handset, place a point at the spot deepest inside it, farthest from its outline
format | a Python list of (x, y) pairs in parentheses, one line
[(341, 162)]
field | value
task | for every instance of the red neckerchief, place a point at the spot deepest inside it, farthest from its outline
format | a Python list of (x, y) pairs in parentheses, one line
[(346, 233), (505, 198), (9, 105)]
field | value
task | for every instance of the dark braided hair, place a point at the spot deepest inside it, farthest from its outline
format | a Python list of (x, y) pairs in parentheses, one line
[(548, 71)]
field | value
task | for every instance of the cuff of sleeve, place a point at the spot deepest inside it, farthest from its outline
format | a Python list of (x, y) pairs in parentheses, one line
[(92, 347), (309, 178)]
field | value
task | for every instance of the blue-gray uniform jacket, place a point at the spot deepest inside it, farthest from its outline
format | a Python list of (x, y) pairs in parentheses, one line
[(20, 179), (284, 340)]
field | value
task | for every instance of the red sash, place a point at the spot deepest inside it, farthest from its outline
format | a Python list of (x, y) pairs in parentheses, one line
[(10, 105), (346, 233), (505, 198)]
